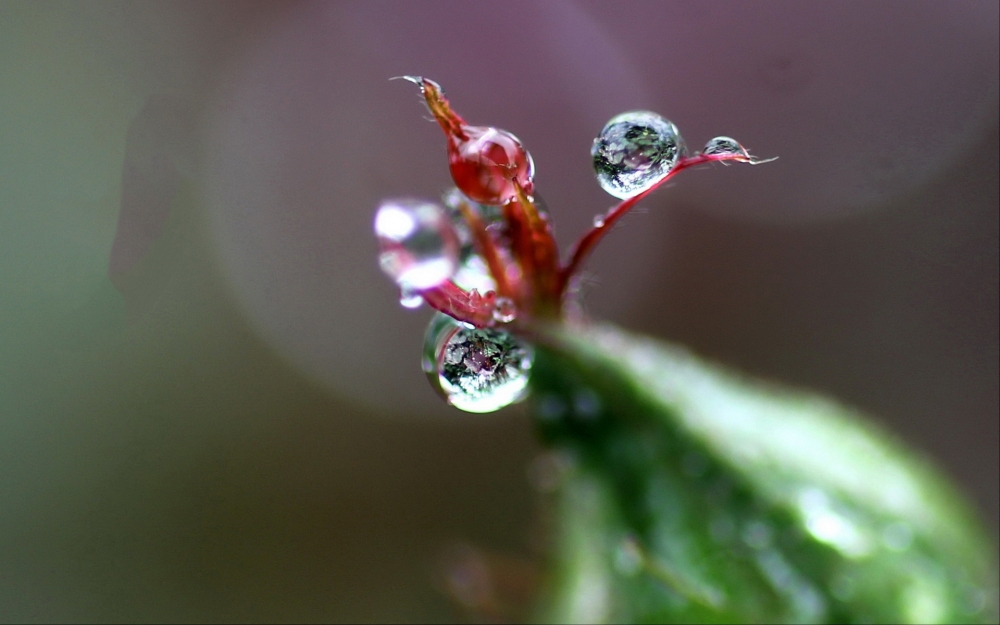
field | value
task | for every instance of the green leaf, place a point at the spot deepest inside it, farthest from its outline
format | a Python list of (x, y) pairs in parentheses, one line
[(690, 494)]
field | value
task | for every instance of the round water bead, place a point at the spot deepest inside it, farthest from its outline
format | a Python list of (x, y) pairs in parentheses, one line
[(475, 369), (409, 299), (634, 151), (419, 245), (487, 162), (725, 146), (505, 310)]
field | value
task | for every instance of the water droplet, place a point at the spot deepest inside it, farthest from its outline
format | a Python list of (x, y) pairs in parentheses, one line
[(725, 146), (476, 369), (409, 299), (473, 274), (504, 310), (634, 151), (486, 164), (419, 245), (598, 221)]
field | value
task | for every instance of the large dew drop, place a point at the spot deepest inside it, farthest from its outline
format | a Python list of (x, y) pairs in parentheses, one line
[(419, 245), (476, 369), (634, 151), (488, 162)]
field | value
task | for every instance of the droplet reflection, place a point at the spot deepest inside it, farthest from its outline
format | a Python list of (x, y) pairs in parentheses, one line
[(634, 151), (419, 245), (725, 146), (476, 369)]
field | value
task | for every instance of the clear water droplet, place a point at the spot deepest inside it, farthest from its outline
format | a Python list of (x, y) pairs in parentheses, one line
[(419, 245), (598, 221), (476, 369), (725, 146), (504, 310), (473, 274), (488, 162), (634, 151), (409, 299)]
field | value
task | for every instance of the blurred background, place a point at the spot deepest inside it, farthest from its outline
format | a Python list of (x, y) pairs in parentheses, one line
[(211, 406)]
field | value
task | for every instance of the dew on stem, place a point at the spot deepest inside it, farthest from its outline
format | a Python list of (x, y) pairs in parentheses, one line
[(488, 257), (476, 369), (634, 151), (725, 146), (419, 247), (487, 164)]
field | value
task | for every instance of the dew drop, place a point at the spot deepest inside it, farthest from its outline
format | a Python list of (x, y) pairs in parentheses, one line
[(634, 151), (409, 299), (476, 369), (487, 163), (725, 146), (473, 274), (598, 221), (504, 310), (419, 245)]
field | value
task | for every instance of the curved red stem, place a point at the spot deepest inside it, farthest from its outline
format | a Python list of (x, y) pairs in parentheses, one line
[(586, 244)]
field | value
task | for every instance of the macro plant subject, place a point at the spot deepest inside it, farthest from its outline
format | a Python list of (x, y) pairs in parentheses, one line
[(681, 492)]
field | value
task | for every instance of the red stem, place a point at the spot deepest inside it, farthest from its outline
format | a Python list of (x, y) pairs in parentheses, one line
[(586, 244), (462, 305), (486, 247)]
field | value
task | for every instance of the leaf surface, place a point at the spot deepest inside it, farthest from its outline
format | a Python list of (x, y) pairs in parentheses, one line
[(692, 494)]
